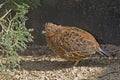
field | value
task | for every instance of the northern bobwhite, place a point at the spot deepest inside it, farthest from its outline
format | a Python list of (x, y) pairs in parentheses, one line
[(71, 43)]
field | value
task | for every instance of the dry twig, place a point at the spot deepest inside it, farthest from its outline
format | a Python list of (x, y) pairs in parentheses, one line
[(5, 14)]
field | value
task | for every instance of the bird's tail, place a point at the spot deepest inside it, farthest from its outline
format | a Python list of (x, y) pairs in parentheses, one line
[(104, 52)]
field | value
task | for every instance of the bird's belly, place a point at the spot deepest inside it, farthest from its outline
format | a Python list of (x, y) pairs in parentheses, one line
[(70, 56)]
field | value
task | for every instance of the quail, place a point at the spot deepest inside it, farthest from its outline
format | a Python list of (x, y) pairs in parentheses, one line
[(72, 43)]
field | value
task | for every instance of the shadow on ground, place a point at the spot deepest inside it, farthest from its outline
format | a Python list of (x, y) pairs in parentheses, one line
[(57, 65)]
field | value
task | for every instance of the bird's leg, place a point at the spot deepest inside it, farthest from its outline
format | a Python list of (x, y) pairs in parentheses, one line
[(76, 63)]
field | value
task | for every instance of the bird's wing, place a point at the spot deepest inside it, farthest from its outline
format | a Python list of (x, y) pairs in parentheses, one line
[(74, 40)]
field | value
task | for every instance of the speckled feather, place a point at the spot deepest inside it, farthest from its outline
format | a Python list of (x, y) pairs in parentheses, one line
[(70, 43)]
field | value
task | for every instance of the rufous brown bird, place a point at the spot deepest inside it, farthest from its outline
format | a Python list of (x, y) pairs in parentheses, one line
[(71, 43)]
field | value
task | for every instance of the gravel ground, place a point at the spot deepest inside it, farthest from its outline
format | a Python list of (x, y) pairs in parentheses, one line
[(40, 63)]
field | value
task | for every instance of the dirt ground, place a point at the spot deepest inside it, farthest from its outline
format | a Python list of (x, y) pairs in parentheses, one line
[(40, 63)]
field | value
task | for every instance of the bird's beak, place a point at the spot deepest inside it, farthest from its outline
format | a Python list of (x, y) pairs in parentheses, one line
[(43, 32)]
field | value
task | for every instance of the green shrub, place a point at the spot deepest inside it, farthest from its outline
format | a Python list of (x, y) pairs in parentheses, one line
[(13, 33)]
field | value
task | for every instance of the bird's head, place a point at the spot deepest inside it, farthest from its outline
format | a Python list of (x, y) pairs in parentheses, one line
[(50, 29)]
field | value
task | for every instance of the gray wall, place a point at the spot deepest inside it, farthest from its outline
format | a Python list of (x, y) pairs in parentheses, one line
[(99, 17)]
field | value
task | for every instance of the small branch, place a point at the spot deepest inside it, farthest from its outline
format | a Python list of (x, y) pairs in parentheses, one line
[(5, 14), (2, 49), (4, 3), (10, 22), (4, 28)]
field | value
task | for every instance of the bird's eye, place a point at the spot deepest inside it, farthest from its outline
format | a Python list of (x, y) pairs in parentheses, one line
[(48, 30)]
